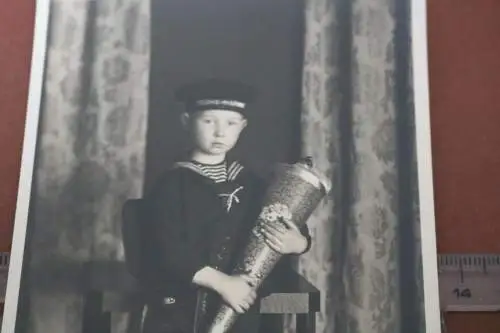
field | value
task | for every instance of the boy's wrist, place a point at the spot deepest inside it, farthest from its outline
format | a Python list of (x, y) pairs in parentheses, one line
[(209, 277)]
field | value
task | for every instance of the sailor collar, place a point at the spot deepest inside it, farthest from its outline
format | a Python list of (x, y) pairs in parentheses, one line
[(233, 170)]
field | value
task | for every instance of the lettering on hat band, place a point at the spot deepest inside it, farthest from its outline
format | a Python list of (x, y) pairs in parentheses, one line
[(219, 102)]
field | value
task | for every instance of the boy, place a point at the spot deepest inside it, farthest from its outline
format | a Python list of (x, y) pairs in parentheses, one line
[(200, 215)]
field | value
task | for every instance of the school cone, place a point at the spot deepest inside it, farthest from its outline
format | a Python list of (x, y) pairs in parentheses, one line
[(294, 193)]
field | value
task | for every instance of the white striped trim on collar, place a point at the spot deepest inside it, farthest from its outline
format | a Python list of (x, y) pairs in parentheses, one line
[(232, 172), (189, 165)]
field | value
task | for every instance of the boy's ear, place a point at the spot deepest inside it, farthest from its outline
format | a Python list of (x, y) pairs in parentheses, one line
[(185, 119)]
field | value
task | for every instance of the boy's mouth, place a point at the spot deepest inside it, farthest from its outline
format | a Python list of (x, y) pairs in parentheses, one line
[(218, 144)]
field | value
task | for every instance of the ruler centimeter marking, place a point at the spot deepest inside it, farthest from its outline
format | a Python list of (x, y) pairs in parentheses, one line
[(469, 282)]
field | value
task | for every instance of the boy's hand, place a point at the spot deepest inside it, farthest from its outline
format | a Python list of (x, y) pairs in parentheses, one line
[(285, 238), (237, 292)]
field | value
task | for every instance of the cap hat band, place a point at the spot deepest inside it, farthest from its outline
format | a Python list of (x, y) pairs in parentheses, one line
[(220, 102), (216, 94)]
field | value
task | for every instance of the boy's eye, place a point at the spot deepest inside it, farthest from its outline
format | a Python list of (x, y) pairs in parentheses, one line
[(234, 122)]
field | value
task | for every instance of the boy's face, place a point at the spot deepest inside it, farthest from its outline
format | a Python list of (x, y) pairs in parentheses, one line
[(215, 132)]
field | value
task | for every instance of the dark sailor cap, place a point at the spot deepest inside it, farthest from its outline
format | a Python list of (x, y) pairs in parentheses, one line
[(216, 94)]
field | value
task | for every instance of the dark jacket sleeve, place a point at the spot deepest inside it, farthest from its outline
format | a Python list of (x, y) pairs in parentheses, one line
[(177, 257), (304, 230)]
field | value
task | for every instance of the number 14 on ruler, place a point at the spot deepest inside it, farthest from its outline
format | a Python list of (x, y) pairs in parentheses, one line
[(469, 283)]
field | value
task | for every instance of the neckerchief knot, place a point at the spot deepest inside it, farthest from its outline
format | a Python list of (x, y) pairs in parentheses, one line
[(231, 197)]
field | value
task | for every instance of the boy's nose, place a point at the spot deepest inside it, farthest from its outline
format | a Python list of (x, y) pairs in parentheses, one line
[(219, 131)]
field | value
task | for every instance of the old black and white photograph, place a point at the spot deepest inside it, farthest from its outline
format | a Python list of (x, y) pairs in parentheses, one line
[(226, 166)]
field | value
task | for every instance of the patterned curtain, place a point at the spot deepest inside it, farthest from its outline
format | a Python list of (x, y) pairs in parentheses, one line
[(357, 124), (90, 154)]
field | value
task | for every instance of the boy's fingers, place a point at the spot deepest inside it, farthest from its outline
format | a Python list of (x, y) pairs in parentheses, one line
[(290, 224), (236, 308), (270, 244), (273, 246), (274, 227), (272, 233), (272, 238)]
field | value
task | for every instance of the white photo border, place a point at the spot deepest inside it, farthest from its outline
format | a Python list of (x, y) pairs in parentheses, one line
[(38, 56), (420, 69)]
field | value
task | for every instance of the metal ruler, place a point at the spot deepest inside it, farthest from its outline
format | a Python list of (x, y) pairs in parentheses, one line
[(469, 282)]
